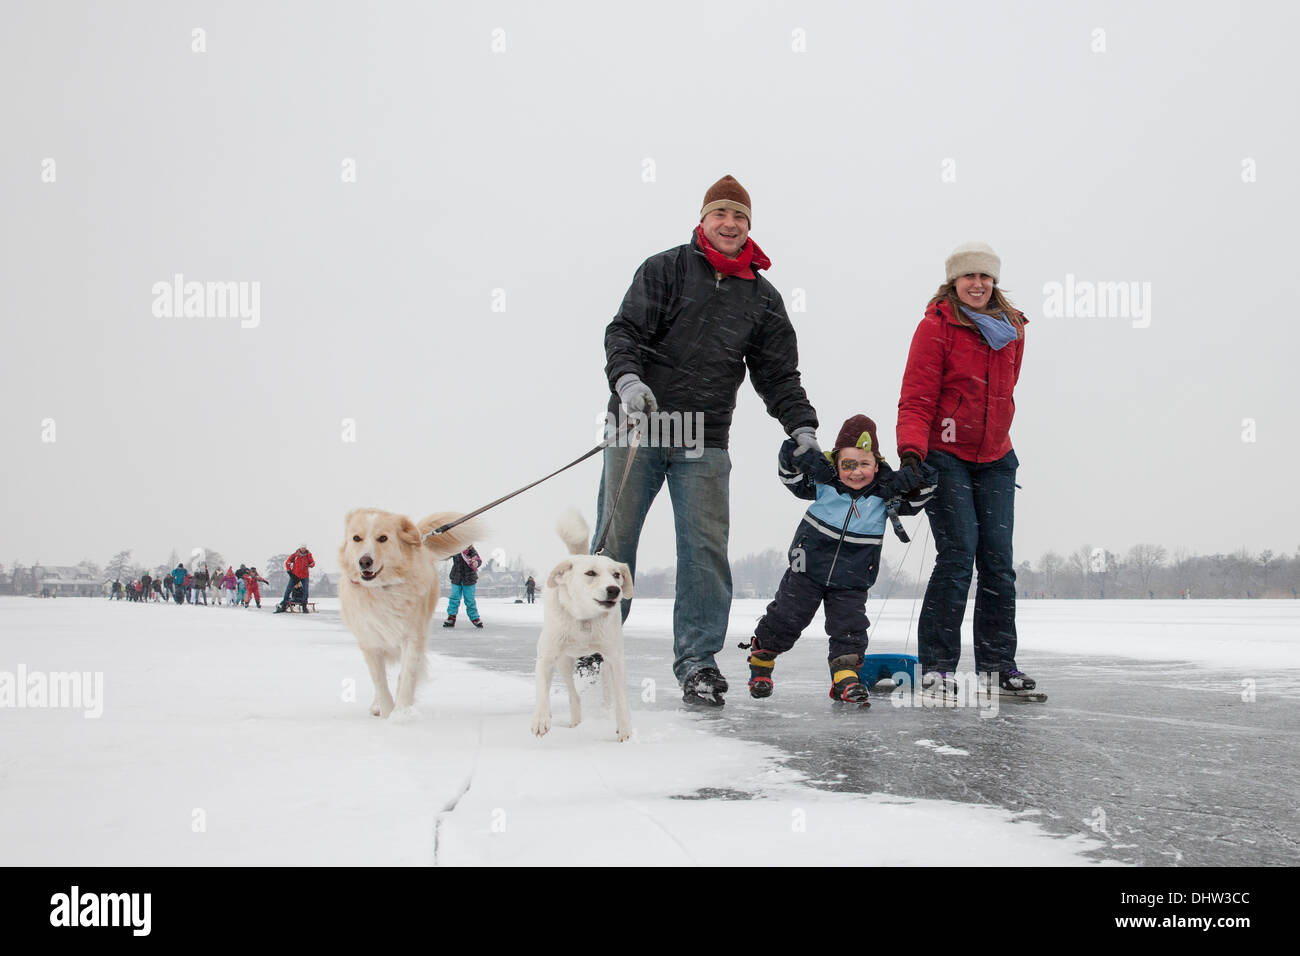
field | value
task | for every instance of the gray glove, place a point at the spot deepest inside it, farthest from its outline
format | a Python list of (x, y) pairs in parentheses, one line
[(635, 394), (805, 439)]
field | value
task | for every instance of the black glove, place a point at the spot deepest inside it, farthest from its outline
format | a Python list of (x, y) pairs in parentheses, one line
[(911, 461), (912, 475), (905, 481)]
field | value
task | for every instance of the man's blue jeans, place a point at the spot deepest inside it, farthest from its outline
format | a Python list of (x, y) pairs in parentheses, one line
[(972, 516), (699, 489), (288, 592)]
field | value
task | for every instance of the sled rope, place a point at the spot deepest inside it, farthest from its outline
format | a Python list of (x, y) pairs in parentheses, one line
[(894, 580), (908, 638)]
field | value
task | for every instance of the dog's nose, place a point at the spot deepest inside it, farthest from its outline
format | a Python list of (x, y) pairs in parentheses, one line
[(365, 562), (612, 592)]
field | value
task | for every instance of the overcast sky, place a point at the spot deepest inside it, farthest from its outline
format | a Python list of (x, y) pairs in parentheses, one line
[(512, 166)]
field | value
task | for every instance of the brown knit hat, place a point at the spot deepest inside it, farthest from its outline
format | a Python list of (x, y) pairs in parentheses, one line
[(858, 432), (726, 193)]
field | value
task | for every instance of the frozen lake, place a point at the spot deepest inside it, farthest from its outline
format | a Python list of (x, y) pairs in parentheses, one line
[(1172, 732), (229, 736)]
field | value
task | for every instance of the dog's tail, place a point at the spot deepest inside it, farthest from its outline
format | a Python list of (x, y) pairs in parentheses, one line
[(573, 531), (452, 541)]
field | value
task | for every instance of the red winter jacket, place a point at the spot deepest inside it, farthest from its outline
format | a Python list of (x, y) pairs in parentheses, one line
[(298, 564), (956, 393)]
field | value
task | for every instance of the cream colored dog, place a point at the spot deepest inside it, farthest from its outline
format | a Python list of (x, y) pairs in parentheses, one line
[(582, 616), (389, 590)]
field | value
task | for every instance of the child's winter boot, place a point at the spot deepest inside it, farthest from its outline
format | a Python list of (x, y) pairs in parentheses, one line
[(845, 683), (450, 622), (761, 663)]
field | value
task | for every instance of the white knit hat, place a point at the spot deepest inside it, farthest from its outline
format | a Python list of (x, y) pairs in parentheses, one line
[(972, 257)]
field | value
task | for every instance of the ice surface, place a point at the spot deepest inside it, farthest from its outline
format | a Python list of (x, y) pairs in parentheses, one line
[(230, 736)]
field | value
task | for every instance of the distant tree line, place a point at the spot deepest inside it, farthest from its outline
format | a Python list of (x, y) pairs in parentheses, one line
[(1151, 571), (1144, 571)]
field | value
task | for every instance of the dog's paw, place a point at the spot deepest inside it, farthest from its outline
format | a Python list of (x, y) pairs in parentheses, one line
[(541, 725), (621, 735), (404, 715)]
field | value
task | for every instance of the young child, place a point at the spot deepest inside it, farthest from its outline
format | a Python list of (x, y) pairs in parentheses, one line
[(835, 553)]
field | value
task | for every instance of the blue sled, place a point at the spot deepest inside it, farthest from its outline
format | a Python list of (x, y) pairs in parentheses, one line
[(878, 667)]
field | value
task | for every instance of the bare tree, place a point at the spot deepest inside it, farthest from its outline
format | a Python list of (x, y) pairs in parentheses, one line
[(275, 573), (1267, 561), (120, 567), (1240, 564), (1183, 568), (1051, 565), (1144, 559)]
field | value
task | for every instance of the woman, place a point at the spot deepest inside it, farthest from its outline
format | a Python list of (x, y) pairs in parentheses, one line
[(955, 413), (229, 584)]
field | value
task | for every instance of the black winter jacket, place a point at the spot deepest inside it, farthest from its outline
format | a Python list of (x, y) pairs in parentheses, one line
[(689, 332), (462, 572)]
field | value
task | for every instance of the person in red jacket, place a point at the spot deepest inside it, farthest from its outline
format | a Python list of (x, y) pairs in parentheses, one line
[(254, 581), (298, 565), (954, 413)]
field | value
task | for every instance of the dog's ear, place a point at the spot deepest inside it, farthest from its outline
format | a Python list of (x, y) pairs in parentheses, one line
[(409, 533), (627, 581), (347, 525), (558, 572)]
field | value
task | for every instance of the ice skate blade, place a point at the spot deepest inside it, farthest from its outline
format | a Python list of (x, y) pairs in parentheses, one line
[(706, 703), (1033, 696)]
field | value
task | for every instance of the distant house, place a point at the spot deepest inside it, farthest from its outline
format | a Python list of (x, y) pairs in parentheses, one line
[(493, 581), (65, 582)]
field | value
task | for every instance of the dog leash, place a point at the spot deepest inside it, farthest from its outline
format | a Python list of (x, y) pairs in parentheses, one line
[(633, 444), (473, 514)]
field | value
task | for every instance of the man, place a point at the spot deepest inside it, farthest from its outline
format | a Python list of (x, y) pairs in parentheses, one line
[(179, 588), (693, 320), (199, 581), (299, 565)]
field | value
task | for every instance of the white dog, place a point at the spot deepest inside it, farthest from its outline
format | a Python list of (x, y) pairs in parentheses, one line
[(581, 617), (388, 591)]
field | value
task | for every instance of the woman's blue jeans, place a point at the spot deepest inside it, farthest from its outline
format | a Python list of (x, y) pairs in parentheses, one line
[(972, 516)]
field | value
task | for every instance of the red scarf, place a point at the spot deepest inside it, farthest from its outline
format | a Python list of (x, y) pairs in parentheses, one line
[(750, 255)]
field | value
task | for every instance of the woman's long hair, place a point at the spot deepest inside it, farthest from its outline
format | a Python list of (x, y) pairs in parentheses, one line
[(998, 304)]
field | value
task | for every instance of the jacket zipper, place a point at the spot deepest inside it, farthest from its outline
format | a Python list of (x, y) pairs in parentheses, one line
[(984, 437), (844, 530)]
